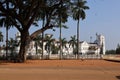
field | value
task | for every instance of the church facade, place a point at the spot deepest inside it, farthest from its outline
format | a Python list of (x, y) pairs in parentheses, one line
[(85, 48), (97, 47)]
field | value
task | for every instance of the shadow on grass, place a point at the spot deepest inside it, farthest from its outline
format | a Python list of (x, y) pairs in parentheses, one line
[(118, 77)]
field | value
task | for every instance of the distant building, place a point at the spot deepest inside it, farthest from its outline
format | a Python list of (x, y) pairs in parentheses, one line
[(85, 48), (97, 47)]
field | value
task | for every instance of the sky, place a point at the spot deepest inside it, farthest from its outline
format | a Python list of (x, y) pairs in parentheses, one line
[(103, 18)]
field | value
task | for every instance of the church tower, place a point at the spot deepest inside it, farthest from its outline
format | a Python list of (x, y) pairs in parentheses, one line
[(100, 40)]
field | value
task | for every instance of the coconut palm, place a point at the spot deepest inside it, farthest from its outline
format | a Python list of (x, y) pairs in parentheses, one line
[(43, 16), (49, 42), (55, 48), (64, 42), (62, 18), (12, 44), (6, 22), (37, 42), (73, 43), (79, 13)]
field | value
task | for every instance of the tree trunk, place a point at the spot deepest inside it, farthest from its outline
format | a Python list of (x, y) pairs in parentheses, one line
[(6, 42), (78, 39), (25, 39), (60, 43)]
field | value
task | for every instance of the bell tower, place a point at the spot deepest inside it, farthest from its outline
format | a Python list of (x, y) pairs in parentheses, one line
[(100, 40)]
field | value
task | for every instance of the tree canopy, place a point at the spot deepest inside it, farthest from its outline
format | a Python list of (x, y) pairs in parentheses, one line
[(22, 14)]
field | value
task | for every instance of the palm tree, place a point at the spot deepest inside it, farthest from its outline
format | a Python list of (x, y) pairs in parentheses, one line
[(73, 43), (79, 13), (43, 17), (38, 43), (55, 48), (64, 42), (62, 18), (6, 22), (49, 43), (43, 35), (12, 44)]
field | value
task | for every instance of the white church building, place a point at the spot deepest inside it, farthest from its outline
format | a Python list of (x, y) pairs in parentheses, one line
[(85, 48), (97, 47)]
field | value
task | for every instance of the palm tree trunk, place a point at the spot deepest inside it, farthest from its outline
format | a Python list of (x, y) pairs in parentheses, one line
[(6, 42), (78, 39), (7, 37), (36, 46), (49, 54), (60, 23), (43, 38), (42, 45), (60, 42)]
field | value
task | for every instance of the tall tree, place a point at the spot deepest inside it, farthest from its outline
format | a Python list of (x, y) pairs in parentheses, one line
[(62, 18), (78, 13), (64, 42), (6, 22), (24, 13), (73, 43), (49, 42), (1, 38)]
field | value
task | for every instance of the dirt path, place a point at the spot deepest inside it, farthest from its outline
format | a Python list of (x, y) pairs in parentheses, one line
[(60, 70)]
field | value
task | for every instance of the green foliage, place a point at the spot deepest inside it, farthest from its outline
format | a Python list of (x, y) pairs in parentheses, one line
[(55, 49), (78, 12), (49, 42), (73, 43), (110, 52), (12, 44), (78, 9), (118, 49), (22, 14), (64, 42)]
